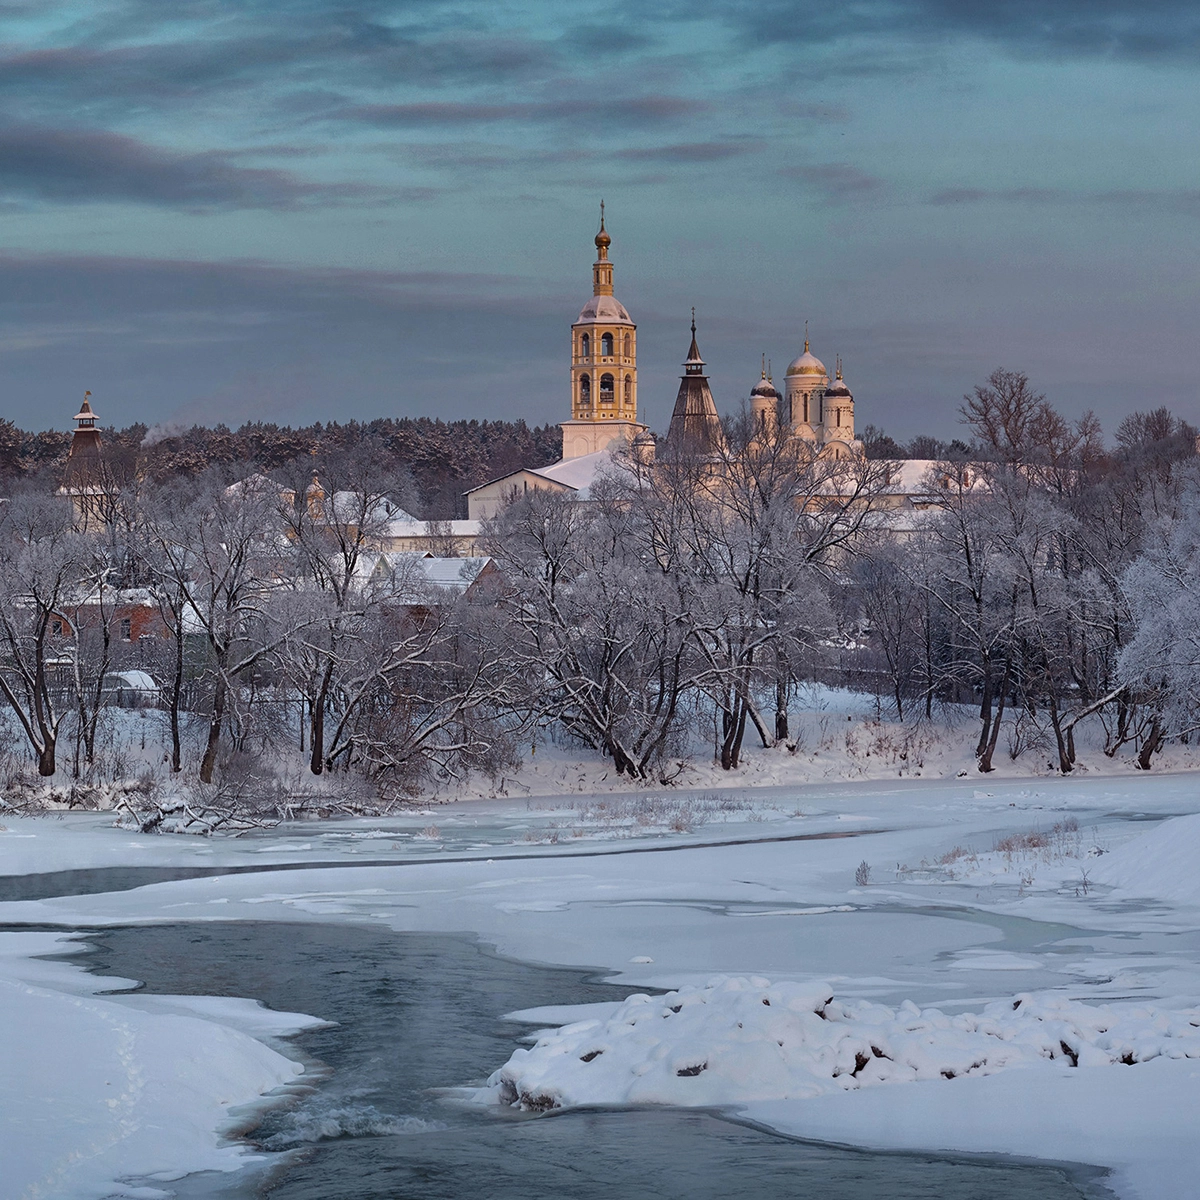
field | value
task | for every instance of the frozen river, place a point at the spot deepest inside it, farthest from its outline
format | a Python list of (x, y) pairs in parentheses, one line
[(417, 1012), (418, 934)]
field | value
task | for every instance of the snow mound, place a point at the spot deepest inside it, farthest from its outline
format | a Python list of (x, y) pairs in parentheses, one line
[(1163, 864), (737, 1040)]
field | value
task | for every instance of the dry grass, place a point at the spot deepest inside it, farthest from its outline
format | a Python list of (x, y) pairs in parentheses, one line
[(1059, 840)]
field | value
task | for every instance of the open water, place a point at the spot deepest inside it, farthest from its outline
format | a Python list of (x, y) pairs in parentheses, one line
[(416, 1013)]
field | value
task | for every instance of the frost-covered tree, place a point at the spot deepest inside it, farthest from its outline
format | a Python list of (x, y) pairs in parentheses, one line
[(767, 525), (220, 550), (1162, 659), (333, 524), (601, 616), (44, 563)]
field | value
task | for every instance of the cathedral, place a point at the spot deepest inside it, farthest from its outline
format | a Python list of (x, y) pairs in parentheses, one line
[(604, 398)]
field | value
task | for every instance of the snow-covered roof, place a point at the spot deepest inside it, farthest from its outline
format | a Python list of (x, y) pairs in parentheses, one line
[(414, 573), (455, 573), (578, 473), (806, 364), (916, 476), (344, 506), (140, 681), (253, 485), (412, 528), (604, 308)]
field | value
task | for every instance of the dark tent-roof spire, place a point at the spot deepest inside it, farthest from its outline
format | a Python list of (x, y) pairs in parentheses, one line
[(694, 364)]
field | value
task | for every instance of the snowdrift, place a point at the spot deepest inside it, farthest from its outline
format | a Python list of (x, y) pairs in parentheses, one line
[(1163, 864), (738, 1040)]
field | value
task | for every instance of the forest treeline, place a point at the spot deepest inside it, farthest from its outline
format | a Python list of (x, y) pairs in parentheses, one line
[(437, 461)]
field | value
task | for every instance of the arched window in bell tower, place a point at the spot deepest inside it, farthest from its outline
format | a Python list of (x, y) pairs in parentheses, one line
[(628, 346), (628, 389), (606, 345), (585, 388), (585, 346), (607, 388)]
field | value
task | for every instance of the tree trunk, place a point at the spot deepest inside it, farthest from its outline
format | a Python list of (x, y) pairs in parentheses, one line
[(1150, 747), (1064, 757), (985, 714), (624, 764), (177, 688), (989, 751), (46, 758), (316, 762), (209, 761), (756, 717), (739, 732)]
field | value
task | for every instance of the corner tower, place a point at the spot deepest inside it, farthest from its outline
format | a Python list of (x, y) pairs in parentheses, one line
[(603, 365)]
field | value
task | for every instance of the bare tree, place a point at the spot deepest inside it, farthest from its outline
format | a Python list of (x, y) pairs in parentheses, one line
[(42, 565), (601, 629), (1161, 662), (220, 551), (1018, 427), (343, 517), (768, 523)]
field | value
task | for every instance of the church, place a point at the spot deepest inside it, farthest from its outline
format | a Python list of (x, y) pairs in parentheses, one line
[(604, 402)]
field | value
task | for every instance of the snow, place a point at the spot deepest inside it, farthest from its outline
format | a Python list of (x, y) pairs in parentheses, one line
[(836, 735), (1163, 864), (580, 473), (738, 1039), (138, 680), (100, 1089), (951, 922), (410, 527), (1139, 1122)]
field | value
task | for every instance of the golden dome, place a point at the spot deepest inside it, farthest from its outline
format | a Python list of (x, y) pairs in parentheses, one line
[(807, 364)]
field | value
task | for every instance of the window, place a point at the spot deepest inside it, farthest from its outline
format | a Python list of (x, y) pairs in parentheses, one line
[(628, 345), (126, 629), (606, 345), (607, 388), (628, 389), (585, 346), (56, 627), (585, 390)]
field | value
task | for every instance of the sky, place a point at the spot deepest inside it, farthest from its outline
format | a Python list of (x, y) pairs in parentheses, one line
[(301, 210)]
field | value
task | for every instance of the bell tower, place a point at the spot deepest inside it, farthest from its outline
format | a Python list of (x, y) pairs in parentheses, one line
[(603, 365)]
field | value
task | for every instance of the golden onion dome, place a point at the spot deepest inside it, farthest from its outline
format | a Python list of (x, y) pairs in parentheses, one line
[(806, 364)]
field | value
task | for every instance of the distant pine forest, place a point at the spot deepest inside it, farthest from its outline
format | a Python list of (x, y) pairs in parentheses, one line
[(443, 459)]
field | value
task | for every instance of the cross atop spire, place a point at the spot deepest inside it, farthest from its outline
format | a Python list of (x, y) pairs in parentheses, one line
[(603, 240)]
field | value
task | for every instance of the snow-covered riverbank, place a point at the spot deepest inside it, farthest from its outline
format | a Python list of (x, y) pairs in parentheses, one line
[(971, 899)]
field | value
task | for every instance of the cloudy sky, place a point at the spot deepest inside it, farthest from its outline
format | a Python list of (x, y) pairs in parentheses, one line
[(296, 210)]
